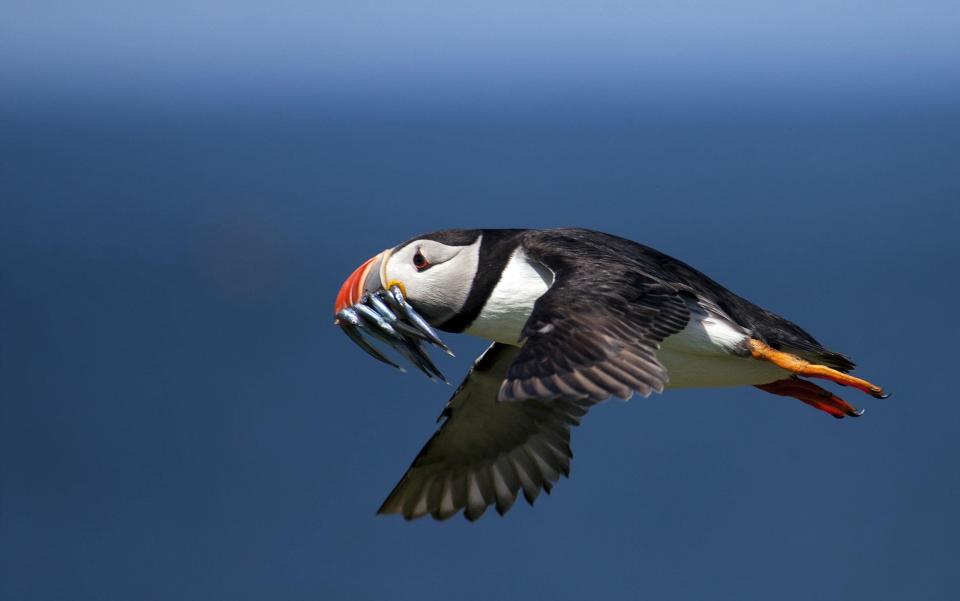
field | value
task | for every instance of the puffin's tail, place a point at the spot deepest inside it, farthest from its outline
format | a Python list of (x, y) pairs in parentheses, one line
[(821, 356)]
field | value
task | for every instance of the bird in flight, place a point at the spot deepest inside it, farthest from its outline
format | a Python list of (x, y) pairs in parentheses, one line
[(575, 317)]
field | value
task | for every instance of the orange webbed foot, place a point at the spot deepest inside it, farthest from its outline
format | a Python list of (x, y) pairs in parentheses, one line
[(813, 395), (802, 367)]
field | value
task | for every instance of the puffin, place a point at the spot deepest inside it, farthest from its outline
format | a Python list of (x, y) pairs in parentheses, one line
[(575, 317)]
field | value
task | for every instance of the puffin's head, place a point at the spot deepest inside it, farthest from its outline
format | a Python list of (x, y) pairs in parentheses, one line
[(435, 272)]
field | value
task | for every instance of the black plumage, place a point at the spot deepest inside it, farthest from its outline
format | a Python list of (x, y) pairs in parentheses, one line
[(593, 257)]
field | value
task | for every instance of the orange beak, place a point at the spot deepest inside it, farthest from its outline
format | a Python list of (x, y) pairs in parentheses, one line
[(365, 278)]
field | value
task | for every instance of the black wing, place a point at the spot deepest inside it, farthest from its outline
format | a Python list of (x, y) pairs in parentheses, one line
[(595, 333), (486, 452), (775, 330)]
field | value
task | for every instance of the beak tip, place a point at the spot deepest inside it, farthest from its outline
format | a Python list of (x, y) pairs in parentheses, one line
[(353, 287)]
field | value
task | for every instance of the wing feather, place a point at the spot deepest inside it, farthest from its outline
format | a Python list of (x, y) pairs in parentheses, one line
[(486, 452), (595, 332)]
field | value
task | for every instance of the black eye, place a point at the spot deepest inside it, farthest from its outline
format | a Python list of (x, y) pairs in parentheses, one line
[(420, 261)]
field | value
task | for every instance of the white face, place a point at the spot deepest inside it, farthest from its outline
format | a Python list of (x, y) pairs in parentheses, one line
[(436, 278)]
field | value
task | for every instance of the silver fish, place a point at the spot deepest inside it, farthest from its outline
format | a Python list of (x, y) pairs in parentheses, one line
[(352, 325), (409, 348), (397, 296), (386, 316)]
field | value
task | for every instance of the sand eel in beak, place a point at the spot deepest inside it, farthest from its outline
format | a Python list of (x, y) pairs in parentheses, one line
[(576, 317)]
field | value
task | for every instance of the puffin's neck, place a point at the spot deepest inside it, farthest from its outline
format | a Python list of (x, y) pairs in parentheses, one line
[(510, 303)]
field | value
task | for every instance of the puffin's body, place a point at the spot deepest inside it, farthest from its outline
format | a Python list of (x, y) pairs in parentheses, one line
[(576, 317), (700, 355)]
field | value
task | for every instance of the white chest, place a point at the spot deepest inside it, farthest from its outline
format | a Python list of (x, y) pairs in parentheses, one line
[(511, 301)]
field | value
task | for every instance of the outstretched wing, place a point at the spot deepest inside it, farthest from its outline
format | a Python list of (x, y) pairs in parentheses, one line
[(486, 451), (596, 331)]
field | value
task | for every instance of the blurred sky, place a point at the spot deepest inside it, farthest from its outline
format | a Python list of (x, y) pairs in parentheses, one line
[(503, 49), (184, 186)]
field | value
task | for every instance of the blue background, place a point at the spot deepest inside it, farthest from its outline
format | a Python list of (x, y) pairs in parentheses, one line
[(183, 189)]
